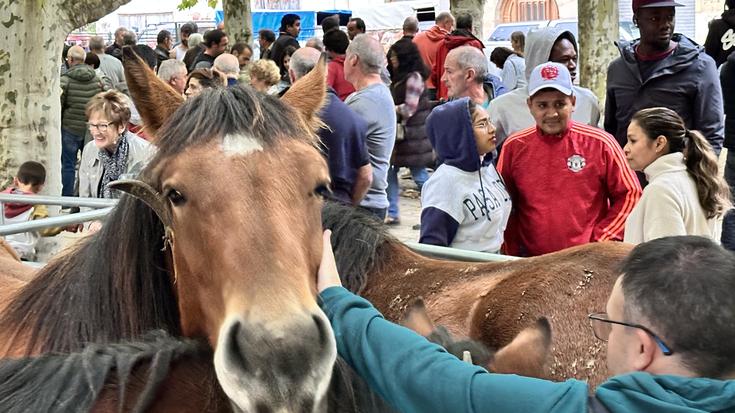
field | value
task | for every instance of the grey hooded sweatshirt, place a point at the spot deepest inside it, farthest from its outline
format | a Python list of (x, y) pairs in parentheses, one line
[(510, 114), (686, 81)]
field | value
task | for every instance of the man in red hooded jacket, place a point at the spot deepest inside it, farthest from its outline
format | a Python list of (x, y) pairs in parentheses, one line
[(461, 37), (429, 41)]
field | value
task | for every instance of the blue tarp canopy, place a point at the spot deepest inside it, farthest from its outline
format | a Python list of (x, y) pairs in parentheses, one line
[(271, 19)]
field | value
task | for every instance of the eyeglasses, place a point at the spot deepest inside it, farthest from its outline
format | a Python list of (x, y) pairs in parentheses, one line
[(602, 325), (483, 124), (102, 127)]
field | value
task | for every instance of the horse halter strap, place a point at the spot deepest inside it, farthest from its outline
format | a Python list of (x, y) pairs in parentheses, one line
[(154, 199)]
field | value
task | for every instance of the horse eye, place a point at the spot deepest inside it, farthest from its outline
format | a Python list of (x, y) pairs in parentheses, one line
[(322, 190), (175, 197)]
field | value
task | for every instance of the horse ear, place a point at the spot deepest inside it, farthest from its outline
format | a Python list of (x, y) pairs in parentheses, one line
[(527, 354), (417, 319), (154, 98), (147, 194), (307, 95)]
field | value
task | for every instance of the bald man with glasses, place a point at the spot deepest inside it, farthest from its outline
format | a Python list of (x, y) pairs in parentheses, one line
[(669, 326)]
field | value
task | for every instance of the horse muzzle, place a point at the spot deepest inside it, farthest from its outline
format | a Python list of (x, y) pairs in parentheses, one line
[(286, 368)]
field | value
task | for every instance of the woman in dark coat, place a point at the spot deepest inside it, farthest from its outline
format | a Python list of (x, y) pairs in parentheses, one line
[(412, 148)]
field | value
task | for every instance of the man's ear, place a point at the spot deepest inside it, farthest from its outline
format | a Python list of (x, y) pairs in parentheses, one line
[(291, 75), (574, 102), (646, 350), (470, 75), (528, 102)]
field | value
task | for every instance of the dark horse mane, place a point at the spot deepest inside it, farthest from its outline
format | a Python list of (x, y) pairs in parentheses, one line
[(55, 382), (59, 383), (360, 243), (116, 285)]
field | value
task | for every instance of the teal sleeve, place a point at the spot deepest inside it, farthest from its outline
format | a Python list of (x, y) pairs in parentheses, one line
[(414, 375)]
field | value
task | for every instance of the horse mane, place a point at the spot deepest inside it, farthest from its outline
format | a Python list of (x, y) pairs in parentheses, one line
[(360, 243), (55, 382), (114, 286)]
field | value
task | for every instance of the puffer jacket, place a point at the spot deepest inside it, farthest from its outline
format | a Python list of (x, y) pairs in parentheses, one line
[(415, 148), (78, 85), (685, 82)]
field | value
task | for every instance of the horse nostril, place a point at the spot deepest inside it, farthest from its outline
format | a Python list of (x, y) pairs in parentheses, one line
[(323, 329), (234, 351)]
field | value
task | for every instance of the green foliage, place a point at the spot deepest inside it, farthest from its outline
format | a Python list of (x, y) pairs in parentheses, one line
[(187, 4)]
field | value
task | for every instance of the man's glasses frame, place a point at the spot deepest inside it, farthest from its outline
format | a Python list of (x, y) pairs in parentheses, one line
[(603, 318)]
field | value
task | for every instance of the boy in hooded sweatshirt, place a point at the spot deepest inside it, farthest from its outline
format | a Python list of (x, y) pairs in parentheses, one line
[(669, 349), (464, 203), (509, 112)]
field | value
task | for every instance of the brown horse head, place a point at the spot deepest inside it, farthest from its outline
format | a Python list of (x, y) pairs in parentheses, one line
[(237, 183), (526, 355)]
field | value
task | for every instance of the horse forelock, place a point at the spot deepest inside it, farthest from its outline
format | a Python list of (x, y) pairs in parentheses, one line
[(217, 114)]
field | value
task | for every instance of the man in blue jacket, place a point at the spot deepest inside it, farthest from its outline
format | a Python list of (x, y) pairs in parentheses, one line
[(663, 69), (668, 323)]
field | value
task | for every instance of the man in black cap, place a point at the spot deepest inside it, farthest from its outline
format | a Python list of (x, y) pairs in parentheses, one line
[(667, 69)]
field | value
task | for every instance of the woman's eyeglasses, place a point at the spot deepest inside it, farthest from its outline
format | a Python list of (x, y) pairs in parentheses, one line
[(102, 127)]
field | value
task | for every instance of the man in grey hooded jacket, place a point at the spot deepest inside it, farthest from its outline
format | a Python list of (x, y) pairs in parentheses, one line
[(509, 113), (663, 69)]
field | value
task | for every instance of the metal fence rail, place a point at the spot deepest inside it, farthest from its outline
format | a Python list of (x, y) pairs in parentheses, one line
[(104, 206), (457, 254)]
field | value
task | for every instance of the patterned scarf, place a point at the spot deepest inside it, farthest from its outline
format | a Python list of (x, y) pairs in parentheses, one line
[(113, 165)]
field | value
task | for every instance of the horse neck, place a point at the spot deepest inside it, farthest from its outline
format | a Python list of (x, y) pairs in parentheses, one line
[(112, 287)]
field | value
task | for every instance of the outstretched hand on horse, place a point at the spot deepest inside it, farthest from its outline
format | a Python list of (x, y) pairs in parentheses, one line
[(328, 276)]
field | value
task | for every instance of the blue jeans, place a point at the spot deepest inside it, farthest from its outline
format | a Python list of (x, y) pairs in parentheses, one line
[(419, 175), (71, 145), (728, 224)]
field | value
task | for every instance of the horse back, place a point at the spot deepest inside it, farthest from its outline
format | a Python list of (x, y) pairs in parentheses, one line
[(564, 287)]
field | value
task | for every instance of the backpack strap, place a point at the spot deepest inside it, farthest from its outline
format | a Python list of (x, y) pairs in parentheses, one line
[(595, 406)]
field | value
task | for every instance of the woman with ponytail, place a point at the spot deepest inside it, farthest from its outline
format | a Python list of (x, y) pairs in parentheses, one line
[(685, 194)]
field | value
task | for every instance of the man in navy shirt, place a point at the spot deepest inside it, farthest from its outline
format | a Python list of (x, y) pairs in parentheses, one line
[(343, 141)]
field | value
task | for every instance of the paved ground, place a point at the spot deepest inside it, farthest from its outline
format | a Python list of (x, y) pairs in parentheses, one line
[(410, 209)]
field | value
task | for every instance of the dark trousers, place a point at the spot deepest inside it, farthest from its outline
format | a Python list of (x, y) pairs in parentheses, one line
[(728, 224), (377, 213), (71, 145)]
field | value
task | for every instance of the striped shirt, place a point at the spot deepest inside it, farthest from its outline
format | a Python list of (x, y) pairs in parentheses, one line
[(567, 190)]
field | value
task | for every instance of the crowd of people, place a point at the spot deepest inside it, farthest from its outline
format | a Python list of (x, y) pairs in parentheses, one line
[(517, 164), (521, 164)]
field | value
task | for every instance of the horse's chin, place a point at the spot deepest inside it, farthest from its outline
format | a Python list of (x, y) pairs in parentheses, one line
[(286, 372)]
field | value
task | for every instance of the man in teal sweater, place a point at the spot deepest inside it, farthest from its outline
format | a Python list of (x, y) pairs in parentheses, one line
[(670, 328)]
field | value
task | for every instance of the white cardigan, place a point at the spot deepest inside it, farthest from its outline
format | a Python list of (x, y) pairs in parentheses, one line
[(669, 205)]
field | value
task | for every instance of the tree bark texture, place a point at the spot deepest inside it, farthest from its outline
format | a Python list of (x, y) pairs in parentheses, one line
[(598, 30), (476, 8), (32, 34), (238, 20)]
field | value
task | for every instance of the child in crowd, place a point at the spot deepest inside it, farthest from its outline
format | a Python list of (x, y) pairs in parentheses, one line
[(464, 203), (29, 181)]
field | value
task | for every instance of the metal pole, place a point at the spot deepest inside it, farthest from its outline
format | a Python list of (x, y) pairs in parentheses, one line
[(457, 254), (69, 201), (60, 221)]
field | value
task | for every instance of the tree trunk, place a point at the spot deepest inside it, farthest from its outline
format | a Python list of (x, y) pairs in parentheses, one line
[(598, 27), (31, 41), (476, 8), (238, 20)]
